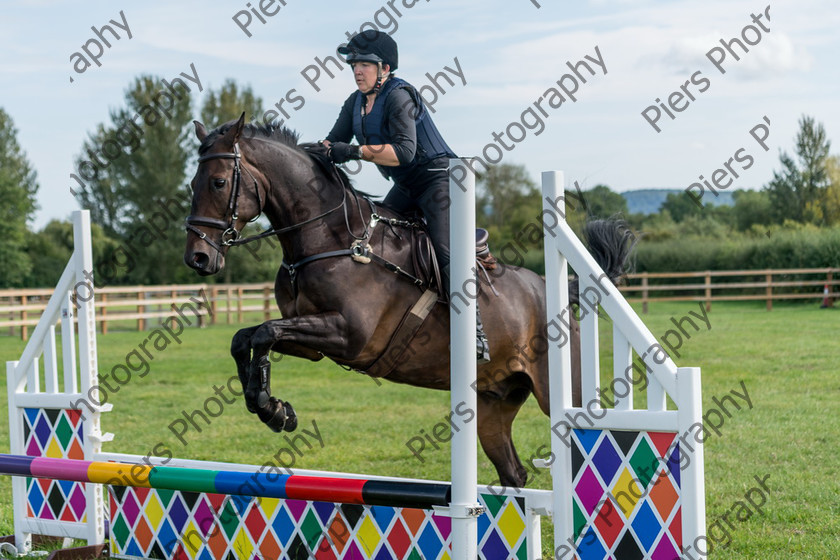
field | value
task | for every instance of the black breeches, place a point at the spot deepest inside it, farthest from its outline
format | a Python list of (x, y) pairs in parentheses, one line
[(433, 202)]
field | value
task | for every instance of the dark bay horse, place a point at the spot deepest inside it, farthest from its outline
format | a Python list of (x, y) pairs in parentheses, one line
[(337, 307)]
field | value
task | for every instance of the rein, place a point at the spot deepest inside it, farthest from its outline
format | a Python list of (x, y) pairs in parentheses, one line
[(360, 251)]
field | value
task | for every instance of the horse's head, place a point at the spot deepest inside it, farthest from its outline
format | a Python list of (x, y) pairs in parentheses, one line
[(226, 197)]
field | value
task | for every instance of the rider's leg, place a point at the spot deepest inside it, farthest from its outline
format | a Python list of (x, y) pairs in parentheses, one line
[(434, 202), (399, 200)]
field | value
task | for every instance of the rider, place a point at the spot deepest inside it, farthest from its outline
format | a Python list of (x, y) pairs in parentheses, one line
[(395, 131)]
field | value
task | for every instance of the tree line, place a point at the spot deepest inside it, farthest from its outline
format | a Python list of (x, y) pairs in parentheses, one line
[(133, 179)]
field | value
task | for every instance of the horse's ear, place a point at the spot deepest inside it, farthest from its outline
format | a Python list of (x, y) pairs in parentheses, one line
[(240, 124), (200, 131)]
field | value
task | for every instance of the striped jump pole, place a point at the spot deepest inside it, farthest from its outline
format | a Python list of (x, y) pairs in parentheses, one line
[(264, 485)]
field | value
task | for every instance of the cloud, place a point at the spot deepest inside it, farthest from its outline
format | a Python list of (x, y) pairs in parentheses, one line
[(775, 54)]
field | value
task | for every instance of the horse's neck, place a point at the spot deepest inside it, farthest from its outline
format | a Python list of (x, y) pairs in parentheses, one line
[(296, 199)]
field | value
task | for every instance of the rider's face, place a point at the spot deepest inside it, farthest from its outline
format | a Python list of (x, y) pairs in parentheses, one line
[(365, 75)]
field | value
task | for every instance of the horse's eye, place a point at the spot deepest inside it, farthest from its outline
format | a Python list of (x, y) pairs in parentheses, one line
[(219, 183)]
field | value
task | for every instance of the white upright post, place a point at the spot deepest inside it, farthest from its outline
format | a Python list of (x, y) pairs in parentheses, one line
[(559, 360), (693, 488), (88, 368), (463, 296)]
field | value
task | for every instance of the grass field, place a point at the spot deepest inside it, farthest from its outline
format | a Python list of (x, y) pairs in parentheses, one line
[(787, 360)]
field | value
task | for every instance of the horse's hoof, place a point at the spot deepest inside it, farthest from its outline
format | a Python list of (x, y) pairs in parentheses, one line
[(276, 422), (273, 415), (291, 417)]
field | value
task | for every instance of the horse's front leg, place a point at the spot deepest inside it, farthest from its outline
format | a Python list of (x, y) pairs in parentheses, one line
[(240, 349), (308, 336)]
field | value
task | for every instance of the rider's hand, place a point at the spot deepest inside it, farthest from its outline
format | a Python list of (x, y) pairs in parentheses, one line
[(341, 152)]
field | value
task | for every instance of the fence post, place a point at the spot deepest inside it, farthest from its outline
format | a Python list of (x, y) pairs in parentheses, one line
[(239, 316), (104, 314), (708, 291), (769, 278), (141, 309), (214, 294), (228, 309), (24, 330), (203, 288), (267, 303), (174, 294), (644, 292)]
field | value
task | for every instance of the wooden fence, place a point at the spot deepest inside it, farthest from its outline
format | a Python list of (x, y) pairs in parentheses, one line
[(732, 285), (143, 307)]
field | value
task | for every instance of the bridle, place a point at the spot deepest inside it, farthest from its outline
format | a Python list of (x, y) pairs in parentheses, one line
[(230, 235)]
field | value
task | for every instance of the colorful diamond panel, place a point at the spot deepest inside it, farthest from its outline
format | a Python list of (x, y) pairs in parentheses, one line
[(626, 498), (147, 522), (57, 433)]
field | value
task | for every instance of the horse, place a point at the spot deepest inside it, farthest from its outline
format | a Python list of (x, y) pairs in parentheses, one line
[(336, 304)]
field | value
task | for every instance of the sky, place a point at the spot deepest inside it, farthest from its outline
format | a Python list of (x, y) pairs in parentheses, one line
[(508, 75)]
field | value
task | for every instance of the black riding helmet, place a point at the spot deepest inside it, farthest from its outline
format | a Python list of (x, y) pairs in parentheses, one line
[(371, 46)]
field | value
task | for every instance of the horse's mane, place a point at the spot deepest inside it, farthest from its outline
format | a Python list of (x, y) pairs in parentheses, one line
[(285, 136), (281, 135)]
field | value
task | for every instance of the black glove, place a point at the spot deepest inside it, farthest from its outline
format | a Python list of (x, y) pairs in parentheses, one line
[(341, 152)]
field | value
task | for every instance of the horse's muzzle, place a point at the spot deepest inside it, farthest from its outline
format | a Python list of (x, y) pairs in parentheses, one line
[(202, 263)]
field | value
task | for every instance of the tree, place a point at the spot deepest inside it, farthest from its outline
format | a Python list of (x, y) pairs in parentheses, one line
[(50, 249), (508, 205), (602, 202), (102, 193), (796, 191), (827, 210), (135, 171), (752, 208), (680, 206), (500, 194), (228, 103), (18, 187)]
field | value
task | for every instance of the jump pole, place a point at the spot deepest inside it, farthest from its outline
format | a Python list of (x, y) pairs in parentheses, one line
[(464, 508), (257, 484)]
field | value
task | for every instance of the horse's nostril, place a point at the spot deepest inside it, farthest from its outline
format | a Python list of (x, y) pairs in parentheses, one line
[(200, 260)]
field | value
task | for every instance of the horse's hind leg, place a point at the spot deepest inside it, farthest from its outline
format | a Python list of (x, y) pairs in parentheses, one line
[(495, 418)]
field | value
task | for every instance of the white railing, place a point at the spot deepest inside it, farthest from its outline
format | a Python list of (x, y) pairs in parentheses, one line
[(660, 375), (71, 305)]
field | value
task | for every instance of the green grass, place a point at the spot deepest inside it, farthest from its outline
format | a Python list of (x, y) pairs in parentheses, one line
[(786, 358)]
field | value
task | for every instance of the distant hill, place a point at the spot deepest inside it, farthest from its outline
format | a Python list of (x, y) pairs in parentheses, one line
[(648, 201)]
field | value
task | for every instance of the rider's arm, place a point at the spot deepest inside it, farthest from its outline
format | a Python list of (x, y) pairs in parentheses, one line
[(399, 110), (342, 130)]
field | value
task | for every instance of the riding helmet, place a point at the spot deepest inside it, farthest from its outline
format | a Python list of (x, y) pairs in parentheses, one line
[(371, 46)]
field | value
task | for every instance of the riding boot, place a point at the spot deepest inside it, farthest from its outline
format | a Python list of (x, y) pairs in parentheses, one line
[(482, 346)]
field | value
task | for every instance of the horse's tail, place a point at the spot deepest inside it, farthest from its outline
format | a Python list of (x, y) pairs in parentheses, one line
[(610, 242)]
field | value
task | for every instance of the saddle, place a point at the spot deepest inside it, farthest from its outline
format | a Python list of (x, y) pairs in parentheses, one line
[(426, 267), (426, 264)]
